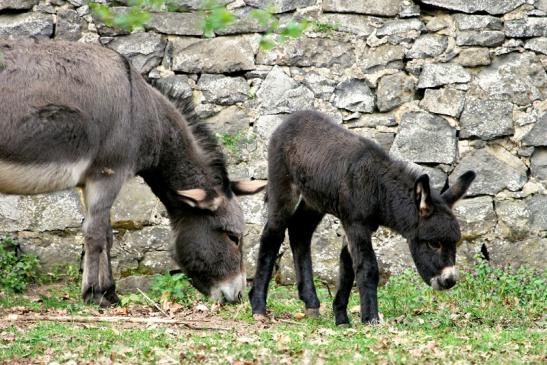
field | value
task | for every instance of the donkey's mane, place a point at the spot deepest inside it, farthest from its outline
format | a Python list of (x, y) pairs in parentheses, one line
[(201, 132)]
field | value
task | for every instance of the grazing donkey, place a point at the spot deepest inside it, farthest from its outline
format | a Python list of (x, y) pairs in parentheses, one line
[(80, 115), (316, 167)]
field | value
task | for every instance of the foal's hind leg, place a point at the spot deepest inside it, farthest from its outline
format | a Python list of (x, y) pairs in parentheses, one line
[(97, 283), (301, 227), (346, 276)]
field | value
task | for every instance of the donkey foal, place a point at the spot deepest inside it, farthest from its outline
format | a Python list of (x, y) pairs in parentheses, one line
[(316, 167)]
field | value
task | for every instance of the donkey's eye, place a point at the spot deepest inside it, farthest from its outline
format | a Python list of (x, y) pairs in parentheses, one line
[(434, 245), (234, 238)]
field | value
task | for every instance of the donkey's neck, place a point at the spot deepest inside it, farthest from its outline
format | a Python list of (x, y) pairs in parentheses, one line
[(398, 207)]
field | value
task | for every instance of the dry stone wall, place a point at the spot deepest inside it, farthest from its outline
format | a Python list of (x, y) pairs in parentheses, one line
[(450, 85)]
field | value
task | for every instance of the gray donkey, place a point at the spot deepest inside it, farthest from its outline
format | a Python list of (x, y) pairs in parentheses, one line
[(80, 115), (316, 167)]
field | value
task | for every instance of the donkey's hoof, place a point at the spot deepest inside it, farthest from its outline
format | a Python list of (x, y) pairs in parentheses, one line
[(343, 325), (312, 312), (260, 317), (103, 299)]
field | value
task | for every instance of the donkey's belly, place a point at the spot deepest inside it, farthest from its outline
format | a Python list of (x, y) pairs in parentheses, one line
[(17, 178)]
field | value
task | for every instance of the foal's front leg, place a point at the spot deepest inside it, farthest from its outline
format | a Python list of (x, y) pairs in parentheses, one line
[(366, 271), (343, 291), (97, 282)]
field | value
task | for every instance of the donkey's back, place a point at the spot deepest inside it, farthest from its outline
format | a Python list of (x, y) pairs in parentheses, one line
[(64, 108)]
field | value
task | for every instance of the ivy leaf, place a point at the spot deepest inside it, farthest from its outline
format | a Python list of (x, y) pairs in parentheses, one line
[(218, 18)]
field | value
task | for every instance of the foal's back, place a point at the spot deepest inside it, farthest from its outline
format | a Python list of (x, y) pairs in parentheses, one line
[(318, 156)]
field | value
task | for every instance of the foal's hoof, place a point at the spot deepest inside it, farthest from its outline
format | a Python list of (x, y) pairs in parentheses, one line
[(260, 317), (343, 325), (312, 312)]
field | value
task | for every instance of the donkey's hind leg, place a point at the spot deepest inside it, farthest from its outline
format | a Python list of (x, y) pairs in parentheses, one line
[(301, 227), (97, 283), (346, 277)]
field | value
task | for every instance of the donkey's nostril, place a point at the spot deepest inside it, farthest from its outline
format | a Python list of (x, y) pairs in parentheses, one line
[(449, 282)]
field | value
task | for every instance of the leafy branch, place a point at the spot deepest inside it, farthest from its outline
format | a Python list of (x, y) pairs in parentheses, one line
[(216, 17)]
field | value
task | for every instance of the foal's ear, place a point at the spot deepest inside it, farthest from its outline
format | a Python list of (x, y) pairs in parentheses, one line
[(248, 187), (422, 195), (198, 198), (456, 191)]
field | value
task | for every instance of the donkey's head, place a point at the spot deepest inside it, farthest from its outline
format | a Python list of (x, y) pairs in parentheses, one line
[(208, 242), (433, 245)]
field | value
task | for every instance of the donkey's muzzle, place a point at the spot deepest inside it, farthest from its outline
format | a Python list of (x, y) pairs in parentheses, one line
[(230, 290), (446, 280)]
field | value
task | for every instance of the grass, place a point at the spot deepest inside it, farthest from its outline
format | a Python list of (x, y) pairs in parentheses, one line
[(492, 316)]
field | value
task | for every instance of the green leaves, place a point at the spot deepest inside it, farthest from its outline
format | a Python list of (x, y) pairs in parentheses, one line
[(217, 17), (18, 270)]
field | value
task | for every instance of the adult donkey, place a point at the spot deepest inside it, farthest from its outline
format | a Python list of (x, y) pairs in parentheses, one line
[(80, 115), (316, 167)]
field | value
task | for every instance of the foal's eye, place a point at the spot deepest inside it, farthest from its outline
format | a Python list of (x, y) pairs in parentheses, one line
[(434, 245), (234, 238)]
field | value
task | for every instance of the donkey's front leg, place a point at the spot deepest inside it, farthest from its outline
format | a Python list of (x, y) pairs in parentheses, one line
[(97, 283), (346, 277), (366, 271)]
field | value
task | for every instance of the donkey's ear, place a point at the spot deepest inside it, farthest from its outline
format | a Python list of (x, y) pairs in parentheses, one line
[(198, 198), (422, 195), (248, 187), (456, 191), (445, 186)]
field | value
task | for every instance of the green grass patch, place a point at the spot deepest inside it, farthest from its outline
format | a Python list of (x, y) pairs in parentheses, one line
[(492, 316)]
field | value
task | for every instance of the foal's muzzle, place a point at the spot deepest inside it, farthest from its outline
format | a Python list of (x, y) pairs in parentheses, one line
[(446, 280)]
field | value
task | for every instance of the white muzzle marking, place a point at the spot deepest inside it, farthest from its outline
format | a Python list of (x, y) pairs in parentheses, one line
[(449, 272), (230, 290)]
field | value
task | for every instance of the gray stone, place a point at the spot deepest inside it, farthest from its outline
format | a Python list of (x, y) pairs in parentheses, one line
[(53, 250), (437, 178), (447, 101), (526, 27), (530, 253), (281, 6), (223, 90), (437, 23), (136, 206), (232, 120), (538, 163), (321, 82), (42, 212), (519, 77), (473, 57), (372, 121), (17, 4), (353, 95), (305, 52), (476, 216), (383, 55), (425, 138), (486, 118), (385, 140), (394, 90), (436, 74), (541, 5), (485, 38), (68, 25), (357, 24), (144, 50), (428, 45), (400, 30), (26, 25), (477, 22), (244, 23), (537, 135), (496, 170), (372, 7), (134, 283), (176, 23), (537, 204), (475, 6), (177, 85), (513, 219), (537, 45), (186, 5), (266, 124), (281, 94), (216, 55)]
